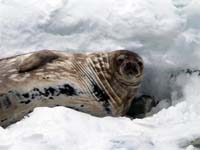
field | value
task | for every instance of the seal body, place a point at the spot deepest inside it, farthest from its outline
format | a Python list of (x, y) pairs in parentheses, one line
[(100, 84)]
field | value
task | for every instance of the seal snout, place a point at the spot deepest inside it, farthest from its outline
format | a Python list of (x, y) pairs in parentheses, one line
[(131, 69)]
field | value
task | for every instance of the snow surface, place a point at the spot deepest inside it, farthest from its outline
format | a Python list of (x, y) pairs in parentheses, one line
[(165, 32)]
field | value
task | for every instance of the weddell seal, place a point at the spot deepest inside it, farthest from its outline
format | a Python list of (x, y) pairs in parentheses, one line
[(100, 84)]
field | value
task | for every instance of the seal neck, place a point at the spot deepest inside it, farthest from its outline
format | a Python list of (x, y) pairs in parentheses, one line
[(101, 66)]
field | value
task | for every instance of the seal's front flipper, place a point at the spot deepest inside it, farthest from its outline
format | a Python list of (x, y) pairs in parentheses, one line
[(36, 60), (140, 106)]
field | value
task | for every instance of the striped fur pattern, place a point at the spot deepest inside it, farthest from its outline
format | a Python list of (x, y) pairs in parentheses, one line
[(84, 82)]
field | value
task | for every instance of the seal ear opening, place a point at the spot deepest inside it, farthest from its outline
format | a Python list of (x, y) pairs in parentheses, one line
[(36, 60)]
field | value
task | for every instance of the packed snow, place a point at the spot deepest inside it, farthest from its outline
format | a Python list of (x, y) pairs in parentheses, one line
[(166, 33)]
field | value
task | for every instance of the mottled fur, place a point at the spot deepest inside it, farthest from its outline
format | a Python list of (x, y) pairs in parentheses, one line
[(90, 83)]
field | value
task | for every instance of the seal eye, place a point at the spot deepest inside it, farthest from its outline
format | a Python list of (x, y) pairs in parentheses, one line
[(140, 63), (121, 58)]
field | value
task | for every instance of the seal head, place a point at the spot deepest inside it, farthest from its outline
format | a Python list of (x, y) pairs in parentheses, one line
[(129, 67)]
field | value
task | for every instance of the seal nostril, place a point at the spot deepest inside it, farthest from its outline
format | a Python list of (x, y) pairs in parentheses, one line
[(135, 70)]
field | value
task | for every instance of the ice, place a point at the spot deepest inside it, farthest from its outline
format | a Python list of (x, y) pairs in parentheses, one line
[(165, 33)]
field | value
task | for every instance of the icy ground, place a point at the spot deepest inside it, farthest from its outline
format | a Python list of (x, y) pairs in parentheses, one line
[(166, 33)]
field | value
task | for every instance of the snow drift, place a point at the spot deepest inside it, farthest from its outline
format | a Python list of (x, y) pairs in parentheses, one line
[(165, 33)]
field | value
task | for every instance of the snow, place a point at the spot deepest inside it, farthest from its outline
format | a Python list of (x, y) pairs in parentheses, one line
[(165, 33)]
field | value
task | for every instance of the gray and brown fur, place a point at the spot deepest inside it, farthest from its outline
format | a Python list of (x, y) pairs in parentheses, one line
[(90, 83)]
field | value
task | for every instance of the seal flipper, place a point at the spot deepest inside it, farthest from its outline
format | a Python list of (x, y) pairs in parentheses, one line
[(140, 106), (36, 60)]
